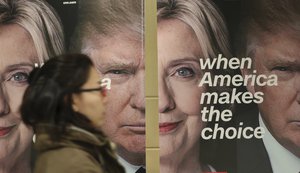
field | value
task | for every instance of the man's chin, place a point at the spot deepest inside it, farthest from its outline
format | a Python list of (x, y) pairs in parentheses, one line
[(291, 142), (295, 150), (133, 153), (133, 143), (296, 147)]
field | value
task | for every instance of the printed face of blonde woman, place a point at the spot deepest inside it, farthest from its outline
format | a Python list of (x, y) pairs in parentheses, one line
[(180, 123), (17, 56), (90, 103)]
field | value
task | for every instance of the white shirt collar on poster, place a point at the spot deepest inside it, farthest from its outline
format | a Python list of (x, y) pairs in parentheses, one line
[(281, 159), (129, 168)]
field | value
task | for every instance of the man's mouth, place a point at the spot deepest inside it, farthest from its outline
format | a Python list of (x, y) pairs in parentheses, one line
[(137, 128), (296, 122)]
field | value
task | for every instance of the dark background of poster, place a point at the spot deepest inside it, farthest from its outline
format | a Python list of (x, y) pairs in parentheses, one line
[(68, 13), (231, 10)]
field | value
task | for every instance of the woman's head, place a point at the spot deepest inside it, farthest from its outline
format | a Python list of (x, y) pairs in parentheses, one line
[(65, 90), (30, 33), (187, 31)]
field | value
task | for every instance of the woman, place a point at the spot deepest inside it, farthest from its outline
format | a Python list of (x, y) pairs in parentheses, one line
[(187, 31), (63, 104), (24, 41)]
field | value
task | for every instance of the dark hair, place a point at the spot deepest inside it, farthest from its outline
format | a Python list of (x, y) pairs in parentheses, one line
[(48, 98)]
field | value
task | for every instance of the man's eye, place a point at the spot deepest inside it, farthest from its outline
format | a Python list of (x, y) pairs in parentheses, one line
[(19, 77), (184, 72), (116, 71), (117, 75), (281, 68)]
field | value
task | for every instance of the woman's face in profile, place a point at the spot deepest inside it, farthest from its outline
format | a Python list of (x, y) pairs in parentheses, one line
[(180, 122), (90, 103), (17, 57)]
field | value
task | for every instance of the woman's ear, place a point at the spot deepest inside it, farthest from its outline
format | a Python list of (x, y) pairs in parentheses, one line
[(75, 100), (249, 87)]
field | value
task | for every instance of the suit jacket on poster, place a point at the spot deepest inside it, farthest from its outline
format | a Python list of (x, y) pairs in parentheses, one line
[(78, 151), (243, 155)]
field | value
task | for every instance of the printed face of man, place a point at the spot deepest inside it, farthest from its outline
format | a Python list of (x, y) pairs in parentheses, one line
[(280, 110), (180, 122), (17, 56), (120, 58)]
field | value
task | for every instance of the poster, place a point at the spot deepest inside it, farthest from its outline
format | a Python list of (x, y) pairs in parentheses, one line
[(265, 35), (228, 81), (111, 34)]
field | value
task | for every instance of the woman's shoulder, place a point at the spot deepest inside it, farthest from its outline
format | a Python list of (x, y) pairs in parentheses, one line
[(67, 159)]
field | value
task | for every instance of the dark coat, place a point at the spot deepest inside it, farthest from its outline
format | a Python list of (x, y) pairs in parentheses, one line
[(243, 155), (77, 151)]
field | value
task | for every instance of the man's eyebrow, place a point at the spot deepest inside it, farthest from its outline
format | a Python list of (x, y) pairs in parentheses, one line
[(115, 64), (287, 60)]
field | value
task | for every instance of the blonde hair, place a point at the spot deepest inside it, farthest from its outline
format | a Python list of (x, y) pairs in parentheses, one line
[(107, 18), (204, 19), (39, 20)]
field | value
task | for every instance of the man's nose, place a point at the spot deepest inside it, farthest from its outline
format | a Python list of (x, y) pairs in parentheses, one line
[(297, 86), (137, 89), (4, 106), (165, 98)]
